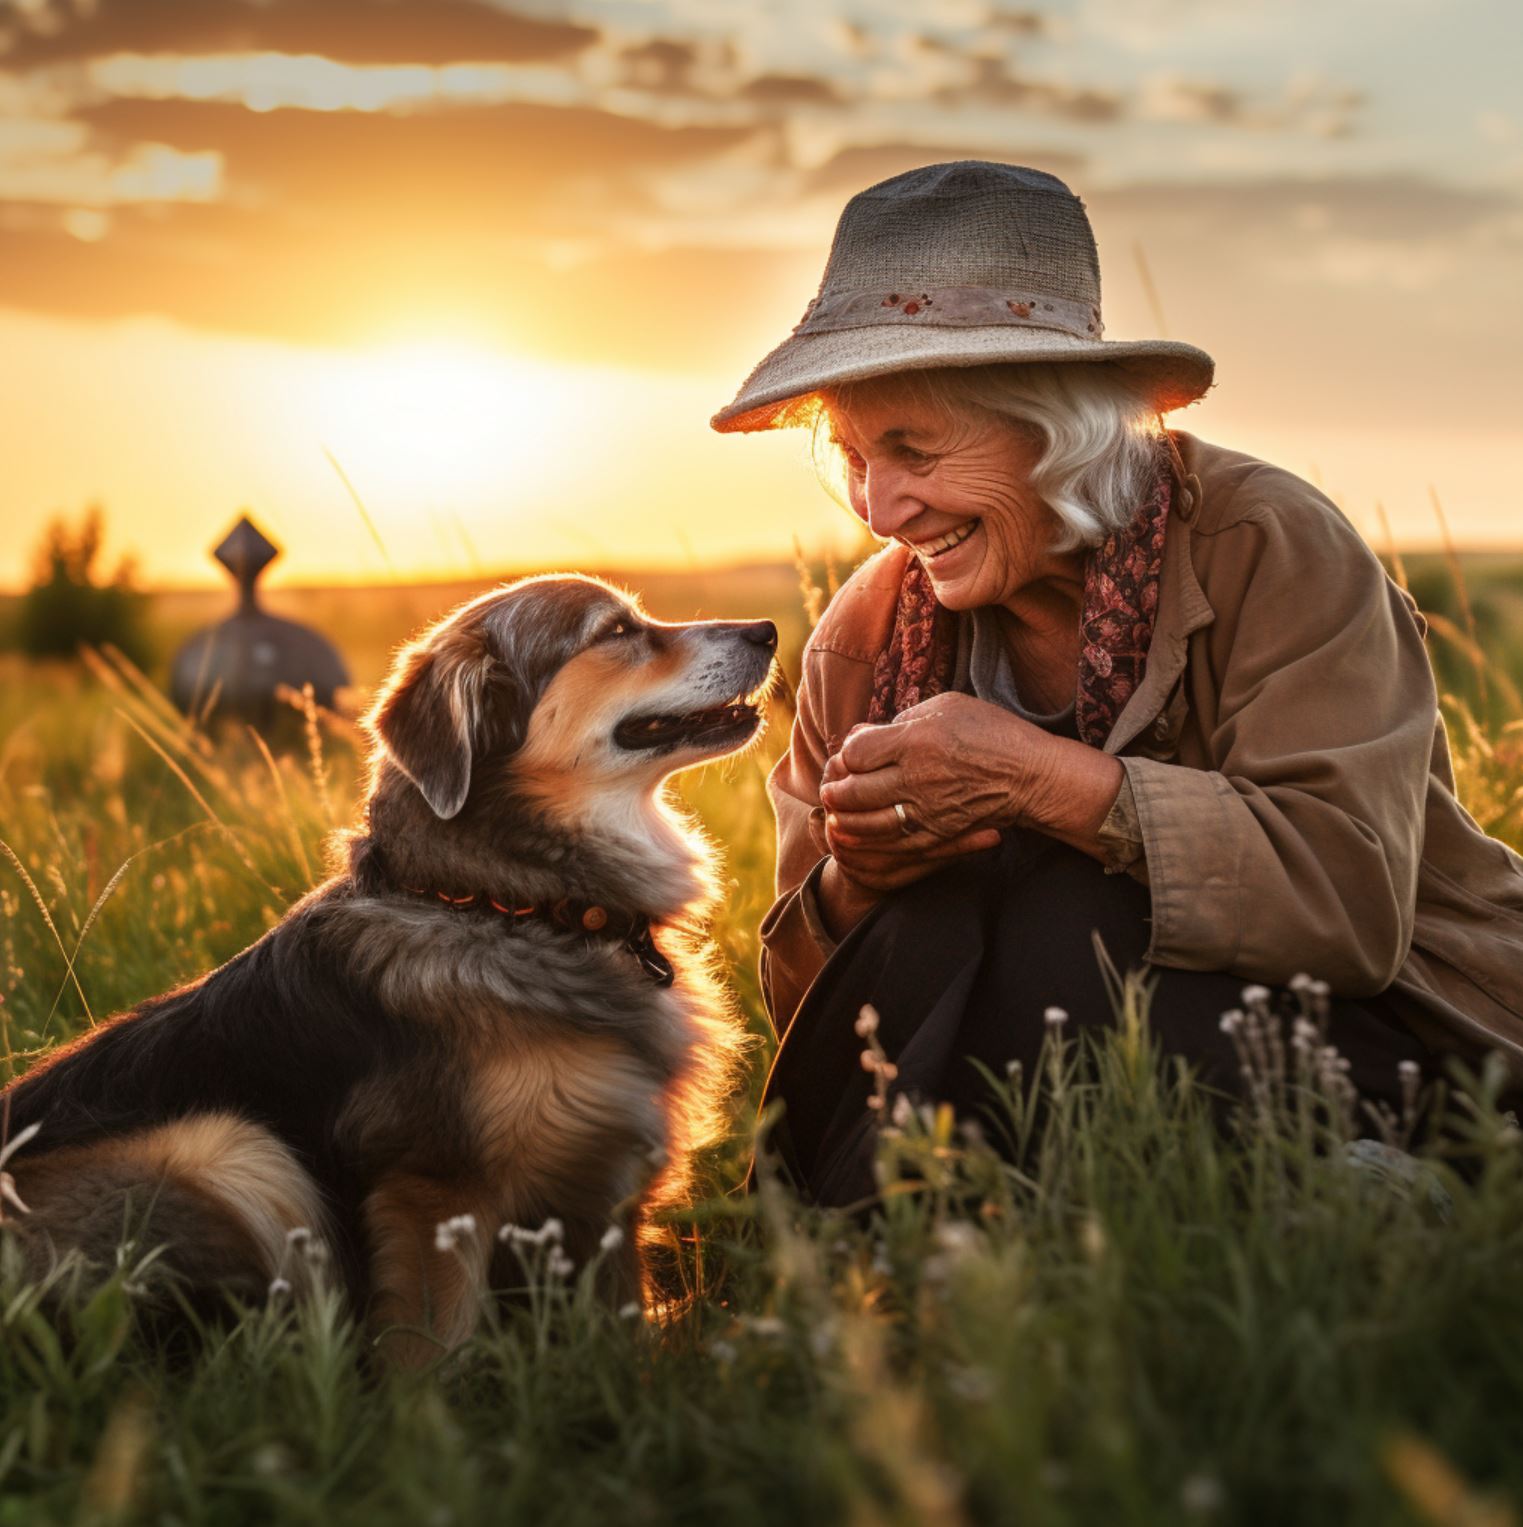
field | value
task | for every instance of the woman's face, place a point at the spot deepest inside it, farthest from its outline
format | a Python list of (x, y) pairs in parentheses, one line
[(952, 486)]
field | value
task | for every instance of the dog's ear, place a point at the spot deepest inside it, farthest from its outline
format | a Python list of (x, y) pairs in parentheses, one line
[(431, 715)]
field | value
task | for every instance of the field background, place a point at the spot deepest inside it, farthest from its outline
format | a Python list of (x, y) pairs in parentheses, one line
[(1153, 1328)]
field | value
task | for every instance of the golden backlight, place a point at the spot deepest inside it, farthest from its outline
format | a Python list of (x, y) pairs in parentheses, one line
[(438, 420)]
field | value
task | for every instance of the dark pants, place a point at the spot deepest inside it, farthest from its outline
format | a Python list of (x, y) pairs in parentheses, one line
[(962, 966)]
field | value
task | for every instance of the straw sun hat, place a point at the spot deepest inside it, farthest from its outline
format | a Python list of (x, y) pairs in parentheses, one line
[(961, 264)]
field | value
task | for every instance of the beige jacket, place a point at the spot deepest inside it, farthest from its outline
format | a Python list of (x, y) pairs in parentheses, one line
[(1290, 772)]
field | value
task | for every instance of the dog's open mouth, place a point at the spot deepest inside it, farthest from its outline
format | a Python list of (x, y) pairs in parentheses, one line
[(699, 728)]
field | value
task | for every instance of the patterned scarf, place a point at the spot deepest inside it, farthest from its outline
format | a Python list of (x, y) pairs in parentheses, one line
[(1116, 626)]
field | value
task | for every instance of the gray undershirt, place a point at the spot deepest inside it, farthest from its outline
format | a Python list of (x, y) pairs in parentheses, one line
[(983, 669)]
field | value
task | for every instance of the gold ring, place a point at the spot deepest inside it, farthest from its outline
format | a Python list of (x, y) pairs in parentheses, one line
[(905, 824)]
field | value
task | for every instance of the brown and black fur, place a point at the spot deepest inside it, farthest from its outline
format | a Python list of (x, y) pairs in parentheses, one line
[(381, 1062)]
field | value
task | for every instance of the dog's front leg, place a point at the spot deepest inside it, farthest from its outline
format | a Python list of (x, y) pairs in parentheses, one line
[(430, 1243)]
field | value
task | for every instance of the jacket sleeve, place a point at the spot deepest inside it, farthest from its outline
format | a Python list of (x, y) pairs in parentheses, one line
[(794, 941), (1299, 850)]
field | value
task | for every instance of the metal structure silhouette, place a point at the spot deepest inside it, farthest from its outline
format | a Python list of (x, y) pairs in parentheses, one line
[(236, 668)]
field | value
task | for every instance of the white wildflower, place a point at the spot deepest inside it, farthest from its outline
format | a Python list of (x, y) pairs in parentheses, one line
[(520, 1235), (1201, 1494), (1408, 1070), (559, 1264), (970, 1385), (271, 1461), (450, 1232), (1055, 1017), (613, 1238), (631, 1311), (1231, 1021), (1255, 996), (1092, 1238), (903, 1111), (722, 1352), (867, 1021), (279, 1288), (956, 1236)]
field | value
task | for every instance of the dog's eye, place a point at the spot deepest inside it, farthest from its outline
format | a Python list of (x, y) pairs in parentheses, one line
[(614, 630)]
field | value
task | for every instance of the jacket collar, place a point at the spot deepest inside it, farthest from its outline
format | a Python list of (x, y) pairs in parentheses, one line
[(1183, 607)]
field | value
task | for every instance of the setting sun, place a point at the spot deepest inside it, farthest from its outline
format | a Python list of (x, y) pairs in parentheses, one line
[(438, 419)]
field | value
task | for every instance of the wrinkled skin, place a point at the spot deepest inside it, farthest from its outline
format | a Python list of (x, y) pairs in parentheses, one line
[(963, 769)]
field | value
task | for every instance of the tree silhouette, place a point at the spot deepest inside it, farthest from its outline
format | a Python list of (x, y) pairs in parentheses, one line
[(70, 605)]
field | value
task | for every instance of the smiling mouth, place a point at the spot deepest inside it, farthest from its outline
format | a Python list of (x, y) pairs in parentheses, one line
[(943, 544), (700, 728)]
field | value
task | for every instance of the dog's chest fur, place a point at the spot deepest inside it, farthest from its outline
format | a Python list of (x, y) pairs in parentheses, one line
[(543, 1062)]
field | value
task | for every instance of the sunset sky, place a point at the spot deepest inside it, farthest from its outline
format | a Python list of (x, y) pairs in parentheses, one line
[(500, 262)]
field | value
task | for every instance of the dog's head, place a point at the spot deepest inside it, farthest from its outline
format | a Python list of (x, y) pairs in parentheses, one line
[(566, 677)]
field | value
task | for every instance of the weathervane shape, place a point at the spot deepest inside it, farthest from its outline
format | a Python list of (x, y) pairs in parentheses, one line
[(245, 552), (238, 666)]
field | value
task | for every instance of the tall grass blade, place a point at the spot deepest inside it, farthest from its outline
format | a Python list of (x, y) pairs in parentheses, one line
[(52, 927)]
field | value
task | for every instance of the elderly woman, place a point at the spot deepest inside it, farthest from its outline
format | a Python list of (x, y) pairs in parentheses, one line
[(1104, 679)]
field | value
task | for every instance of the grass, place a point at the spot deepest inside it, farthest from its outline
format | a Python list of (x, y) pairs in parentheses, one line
[(1148, 1324)]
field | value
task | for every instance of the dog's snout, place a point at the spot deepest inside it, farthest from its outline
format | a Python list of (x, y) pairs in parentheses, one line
[(761, 633)]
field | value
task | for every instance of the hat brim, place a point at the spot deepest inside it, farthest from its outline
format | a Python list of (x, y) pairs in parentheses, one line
[(775, 393)]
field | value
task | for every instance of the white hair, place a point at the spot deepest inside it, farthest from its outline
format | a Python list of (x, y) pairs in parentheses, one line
[(1099, 429)]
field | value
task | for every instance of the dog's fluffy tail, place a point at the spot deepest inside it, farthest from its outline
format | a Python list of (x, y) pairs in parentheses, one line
[(219, 1194)]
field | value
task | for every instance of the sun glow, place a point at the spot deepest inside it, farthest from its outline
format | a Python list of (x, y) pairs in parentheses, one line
[(440, 420)]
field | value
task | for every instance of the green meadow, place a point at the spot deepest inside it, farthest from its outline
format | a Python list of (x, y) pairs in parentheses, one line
[(1149, 1323)]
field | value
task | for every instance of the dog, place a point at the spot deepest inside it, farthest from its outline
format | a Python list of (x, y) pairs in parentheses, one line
[(498, 1012)]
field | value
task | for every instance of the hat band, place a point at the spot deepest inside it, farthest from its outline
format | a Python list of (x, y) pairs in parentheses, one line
[(953, 307)]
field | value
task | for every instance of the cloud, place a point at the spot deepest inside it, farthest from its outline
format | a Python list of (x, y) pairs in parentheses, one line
[(1020, 23), (1303, 105), (853, 169), (1394, 209), (658, 63), (994, 81), (604, 191), (237, 272), (269, 81), (792, 90), (58, 167), (359, 31)]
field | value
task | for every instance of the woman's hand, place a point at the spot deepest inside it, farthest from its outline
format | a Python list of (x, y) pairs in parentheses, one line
[(871, 853), (962, 769), (859, 874)]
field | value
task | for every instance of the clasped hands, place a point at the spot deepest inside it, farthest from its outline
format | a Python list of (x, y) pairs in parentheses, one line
[(961, 769)]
